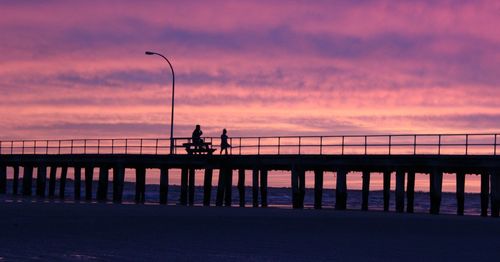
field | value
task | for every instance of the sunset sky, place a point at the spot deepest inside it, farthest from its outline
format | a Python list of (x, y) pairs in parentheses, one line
[(73, 69)]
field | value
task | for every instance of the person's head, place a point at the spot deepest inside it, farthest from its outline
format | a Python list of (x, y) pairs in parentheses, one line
[(224, 131), (198, 127)]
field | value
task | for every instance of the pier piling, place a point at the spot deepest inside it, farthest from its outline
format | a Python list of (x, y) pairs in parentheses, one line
[(207, 186), (263, 187), (219, 198), (365, 190), (163, 185), (89, 179), (52, 181), (485, 187), (241, 186), (228, 186), (41, 180), (184, 186), (118, 180), (15, 182), (78, 182), (255, 188), (140, 184), (102, 188), (410, 191), (495, 193), (191, 182), (27, 179), (460, 192), (400, 191), (436, 185), (3, 179), (387, 189), (341, 192), (318, 188), (62, 181)]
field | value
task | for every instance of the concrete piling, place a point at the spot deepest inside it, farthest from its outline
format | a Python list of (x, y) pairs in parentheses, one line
[(27, 180), (52, 181), (207, 186), (163, 185), (410, 191), (255, 188), (191, 183), (78, 182), (365, 190), (41, 180), (118, 181), (89, 178), (3, 179), (436, 185), (460, 176), (140, 184), (341, 192), (485, 187), (62, 181), (184, 186), (15, 182), (400, 191), (102, 187), (387, 189), (241, 186), (318, 188)]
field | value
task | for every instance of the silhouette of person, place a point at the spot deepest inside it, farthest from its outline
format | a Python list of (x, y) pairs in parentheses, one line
[(224, 145), (197, 136)]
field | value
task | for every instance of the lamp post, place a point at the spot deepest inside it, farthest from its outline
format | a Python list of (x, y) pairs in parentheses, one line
[(173, 89)]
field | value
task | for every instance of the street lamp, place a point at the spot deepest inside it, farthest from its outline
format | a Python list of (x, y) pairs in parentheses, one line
[(173, 88)]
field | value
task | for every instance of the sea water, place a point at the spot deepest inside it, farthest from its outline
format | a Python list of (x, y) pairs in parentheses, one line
[(280, 197)]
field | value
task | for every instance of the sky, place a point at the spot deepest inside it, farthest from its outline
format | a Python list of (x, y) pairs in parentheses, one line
[(77, 69)]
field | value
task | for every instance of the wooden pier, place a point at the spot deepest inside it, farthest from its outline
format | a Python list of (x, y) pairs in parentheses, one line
[(53, 158)]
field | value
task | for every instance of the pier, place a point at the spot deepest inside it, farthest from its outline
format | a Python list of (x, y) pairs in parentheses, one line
[(402, 155)]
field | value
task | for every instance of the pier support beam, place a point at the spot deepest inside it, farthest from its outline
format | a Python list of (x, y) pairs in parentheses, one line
[(387, 189), (163, 185), (255, 188), (495, 193), (365, 190), (298, 187), (3, 179), (184, 186), (241, 186), (263, 187), (341, 192), (191, 181), (118, 181), (485, 192), (140, 184), (221, 186), (41, 180), (410, 191), (228, 187), (27, 180), (318, 189), (400, 191), (207, 186), (89, 178), (78, 182), (460, 192), (62, 181), (52, 181), (102, 188), (436, 185), (15, 182)]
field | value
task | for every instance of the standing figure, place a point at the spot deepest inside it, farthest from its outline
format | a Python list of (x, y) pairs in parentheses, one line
[(224, 145)]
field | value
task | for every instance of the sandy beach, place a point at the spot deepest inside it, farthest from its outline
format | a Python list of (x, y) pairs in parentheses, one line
[(84, 231)]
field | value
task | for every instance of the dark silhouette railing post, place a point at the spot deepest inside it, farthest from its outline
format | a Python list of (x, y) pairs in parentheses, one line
[(466, 144)]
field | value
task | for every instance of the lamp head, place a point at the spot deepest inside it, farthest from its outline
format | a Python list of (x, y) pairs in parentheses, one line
[(150, 53)]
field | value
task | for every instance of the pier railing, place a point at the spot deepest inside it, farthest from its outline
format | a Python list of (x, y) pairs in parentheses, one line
[(407, 144)]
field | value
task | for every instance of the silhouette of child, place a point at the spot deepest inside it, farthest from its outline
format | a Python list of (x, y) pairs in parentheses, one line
[(224, 145)]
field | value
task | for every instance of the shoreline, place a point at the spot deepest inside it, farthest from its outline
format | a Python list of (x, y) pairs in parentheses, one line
[(86, 231)]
